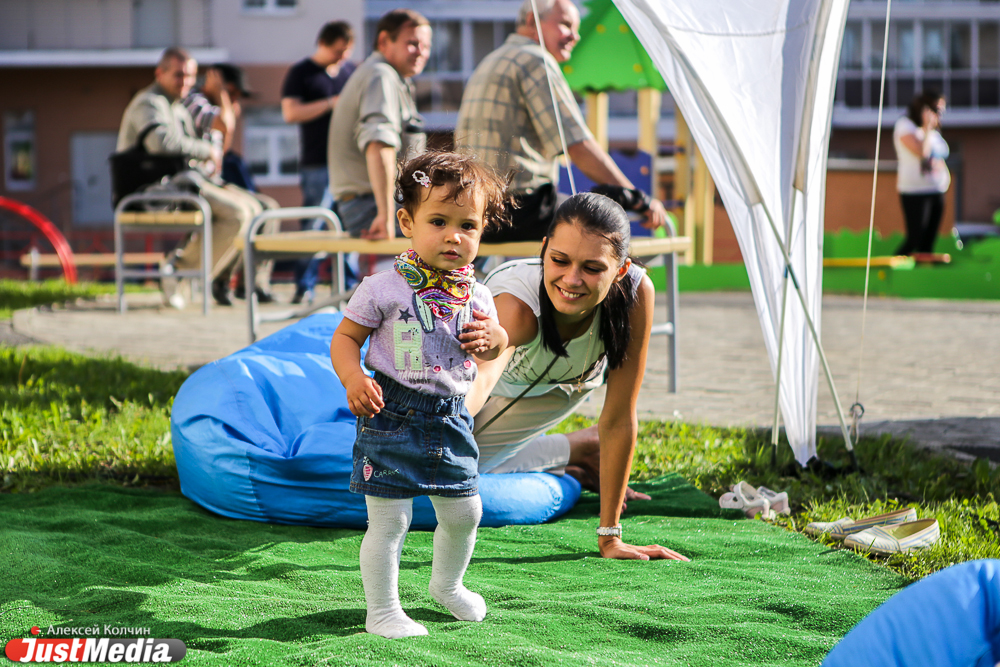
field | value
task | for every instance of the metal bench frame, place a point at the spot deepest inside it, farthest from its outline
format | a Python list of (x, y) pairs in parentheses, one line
[(204, 226)]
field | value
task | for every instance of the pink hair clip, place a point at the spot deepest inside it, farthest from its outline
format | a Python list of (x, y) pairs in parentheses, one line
[(422, 178)]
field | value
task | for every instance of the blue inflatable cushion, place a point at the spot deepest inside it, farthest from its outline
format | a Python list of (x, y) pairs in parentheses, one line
[(949, 619), (265, 434)]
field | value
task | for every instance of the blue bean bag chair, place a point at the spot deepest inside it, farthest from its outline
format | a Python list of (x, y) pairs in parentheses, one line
[(949, 619), (265, 434)]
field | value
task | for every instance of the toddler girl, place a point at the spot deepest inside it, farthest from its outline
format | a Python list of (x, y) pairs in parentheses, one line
[(427, 320)]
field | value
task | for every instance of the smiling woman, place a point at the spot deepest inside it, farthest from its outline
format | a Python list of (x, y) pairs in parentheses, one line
[(580, 313)]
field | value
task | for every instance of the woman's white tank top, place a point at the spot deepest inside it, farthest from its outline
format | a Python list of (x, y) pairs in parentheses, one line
[(582, 370)]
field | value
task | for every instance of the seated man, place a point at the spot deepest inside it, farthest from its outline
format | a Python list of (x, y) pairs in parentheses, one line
[(159, 105), (216, 108)]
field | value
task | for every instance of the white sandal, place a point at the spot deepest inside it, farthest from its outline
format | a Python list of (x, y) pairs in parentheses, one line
[(745, 497), (730, 501), (778, 499), (753, 502)]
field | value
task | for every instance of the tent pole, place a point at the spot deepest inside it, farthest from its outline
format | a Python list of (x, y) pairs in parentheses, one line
[(815, 337), (777, 375), (781, 339)]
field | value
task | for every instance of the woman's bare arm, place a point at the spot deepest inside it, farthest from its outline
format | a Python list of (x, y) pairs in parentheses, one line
[(922, 149), (619, 427), (913, 144)]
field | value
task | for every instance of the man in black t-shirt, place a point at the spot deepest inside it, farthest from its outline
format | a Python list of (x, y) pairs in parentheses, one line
[(308, 97)]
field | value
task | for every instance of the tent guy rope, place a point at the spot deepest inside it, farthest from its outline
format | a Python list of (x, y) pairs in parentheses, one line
[(552, 93), (857, 409)]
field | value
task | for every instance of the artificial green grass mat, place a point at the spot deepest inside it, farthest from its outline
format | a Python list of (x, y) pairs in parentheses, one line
[(246, 593)]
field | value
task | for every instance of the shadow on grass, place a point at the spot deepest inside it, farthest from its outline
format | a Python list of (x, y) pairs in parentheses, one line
[(91, 547), (36, 377)]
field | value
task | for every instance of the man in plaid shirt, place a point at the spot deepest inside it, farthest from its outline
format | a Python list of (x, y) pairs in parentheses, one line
[(508, 120)]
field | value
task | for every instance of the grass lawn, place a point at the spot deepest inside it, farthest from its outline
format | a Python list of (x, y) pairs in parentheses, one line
[(68, 418), (96, 533)]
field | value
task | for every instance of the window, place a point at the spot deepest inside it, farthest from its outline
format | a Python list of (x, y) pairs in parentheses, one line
[(960, 46), (958, 57), (904, 46), (989, 46), (19, 150), (270, 6), (876, 31), (155, 23), (933, 46), (850, 50), (271, 147)]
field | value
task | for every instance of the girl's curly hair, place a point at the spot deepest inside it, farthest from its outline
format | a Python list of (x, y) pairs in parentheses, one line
[(462, 174)]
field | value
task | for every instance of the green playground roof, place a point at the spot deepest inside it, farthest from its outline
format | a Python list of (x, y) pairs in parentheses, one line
[(609, 56)]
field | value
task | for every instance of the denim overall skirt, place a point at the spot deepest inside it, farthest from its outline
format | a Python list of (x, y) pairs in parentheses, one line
[(417, 445)]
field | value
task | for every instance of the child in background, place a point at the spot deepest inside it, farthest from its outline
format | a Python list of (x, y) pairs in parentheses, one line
[(428, 320)]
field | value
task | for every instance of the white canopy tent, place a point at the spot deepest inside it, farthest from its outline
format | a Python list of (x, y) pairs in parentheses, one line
[(755, 82)]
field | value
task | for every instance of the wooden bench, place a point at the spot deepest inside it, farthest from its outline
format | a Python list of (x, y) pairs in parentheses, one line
[(337, 242), (296, 244), (169, 219), (884, 262), (34, 260), (888, 261)]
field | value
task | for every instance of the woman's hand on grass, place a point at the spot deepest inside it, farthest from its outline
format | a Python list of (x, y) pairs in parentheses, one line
[(613, 547)]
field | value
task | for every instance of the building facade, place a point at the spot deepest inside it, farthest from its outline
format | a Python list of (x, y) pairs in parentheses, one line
[(69, 67), (952, 47)]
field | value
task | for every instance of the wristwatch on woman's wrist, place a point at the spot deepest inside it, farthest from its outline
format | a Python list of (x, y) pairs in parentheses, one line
[(609, 531)]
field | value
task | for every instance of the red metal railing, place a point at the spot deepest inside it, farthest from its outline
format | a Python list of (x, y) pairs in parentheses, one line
[(50, 231)]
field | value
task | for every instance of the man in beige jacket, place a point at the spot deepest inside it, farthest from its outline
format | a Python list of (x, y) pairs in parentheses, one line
[(160, 106)]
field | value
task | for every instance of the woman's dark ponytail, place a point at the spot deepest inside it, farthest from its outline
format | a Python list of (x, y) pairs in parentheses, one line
[(546, 316), (599, 215)]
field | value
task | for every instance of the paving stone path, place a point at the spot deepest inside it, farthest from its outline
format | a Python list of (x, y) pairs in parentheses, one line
[(931, 368)]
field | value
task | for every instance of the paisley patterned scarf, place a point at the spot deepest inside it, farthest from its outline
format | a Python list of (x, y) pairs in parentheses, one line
[(444, 292)]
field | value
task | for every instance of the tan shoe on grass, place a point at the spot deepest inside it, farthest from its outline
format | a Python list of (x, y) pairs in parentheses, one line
[(899, 538), (841, 528)]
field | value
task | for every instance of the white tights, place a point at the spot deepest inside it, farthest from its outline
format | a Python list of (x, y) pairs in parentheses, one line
[(454, 540)]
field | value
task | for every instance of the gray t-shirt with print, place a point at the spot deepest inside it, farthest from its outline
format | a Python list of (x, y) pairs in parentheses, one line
[(411, 345)]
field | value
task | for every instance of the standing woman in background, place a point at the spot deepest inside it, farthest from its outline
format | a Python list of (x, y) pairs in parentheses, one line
[(922, 176)]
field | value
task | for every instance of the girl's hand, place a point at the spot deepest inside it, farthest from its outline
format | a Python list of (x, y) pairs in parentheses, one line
[(613, 547), (483, 337), (364, 396)]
